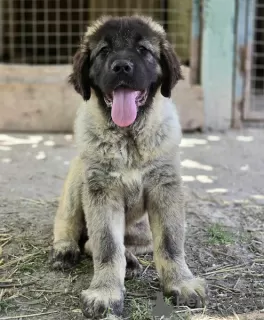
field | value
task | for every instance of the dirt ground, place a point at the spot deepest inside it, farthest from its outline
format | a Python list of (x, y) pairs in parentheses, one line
[(223, 176)]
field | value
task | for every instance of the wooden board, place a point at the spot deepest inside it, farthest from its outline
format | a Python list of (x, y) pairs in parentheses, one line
[(38, 99)]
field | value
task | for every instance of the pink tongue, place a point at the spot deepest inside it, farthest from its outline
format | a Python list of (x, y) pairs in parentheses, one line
[(124, 109)]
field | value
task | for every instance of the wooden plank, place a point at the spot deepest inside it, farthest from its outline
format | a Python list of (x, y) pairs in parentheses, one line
[(188, 99), (218, 62), (240, 60), (37, 98), (195, 61)]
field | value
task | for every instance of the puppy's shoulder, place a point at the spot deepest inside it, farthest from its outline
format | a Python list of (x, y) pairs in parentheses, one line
[(94, 138), (89, 122), (173, 121), (165, 122)]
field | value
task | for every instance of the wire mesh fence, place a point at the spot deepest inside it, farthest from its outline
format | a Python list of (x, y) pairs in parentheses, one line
[(49, 31), (257, 67)]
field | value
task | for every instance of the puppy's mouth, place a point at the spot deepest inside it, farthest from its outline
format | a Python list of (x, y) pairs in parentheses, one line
[(124, 103)]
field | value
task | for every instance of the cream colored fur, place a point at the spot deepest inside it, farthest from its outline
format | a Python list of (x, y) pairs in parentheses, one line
[(126, 184)]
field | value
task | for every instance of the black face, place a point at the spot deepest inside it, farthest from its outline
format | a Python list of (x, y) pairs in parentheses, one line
[(123, 55), (125, 61)]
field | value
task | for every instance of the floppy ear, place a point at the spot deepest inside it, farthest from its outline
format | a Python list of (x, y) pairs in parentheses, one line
[(171, 69), (80, 75)]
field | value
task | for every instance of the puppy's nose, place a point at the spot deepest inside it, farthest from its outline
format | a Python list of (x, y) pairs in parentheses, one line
[(122, 66)]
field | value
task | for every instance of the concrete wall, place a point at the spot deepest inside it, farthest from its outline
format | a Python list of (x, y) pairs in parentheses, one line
[(38, 98), (217, 65)]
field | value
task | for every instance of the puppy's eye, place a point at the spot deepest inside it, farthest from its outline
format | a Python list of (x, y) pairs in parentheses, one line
[(104, 51), (142, 49)]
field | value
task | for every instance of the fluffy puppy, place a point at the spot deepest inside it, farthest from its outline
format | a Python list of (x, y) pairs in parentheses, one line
[(126, 179)]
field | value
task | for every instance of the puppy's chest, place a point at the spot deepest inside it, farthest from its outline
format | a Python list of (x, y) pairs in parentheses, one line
[(125, 161), (127, 165), (121, 152), (122, 164), (131, 184), (130, 153)]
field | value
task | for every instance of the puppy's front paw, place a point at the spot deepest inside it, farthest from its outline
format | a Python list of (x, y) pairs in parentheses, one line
[(98, 303), (64, 254), (191, 293)]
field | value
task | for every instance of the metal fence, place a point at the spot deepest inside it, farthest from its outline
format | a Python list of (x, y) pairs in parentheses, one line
[(255, 106), (48, 31)]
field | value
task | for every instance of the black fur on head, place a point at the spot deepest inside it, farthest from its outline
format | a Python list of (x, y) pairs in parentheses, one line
[(80, 76), (135, 45), (171, 69)]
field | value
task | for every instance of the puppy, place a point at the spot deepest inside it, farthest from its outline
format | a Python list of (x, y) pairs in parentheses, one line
[(126, 179)]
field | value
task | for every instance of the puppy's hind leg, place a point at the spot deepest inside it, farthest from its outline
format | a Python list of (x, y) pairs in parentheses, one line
[(134, 268), (138, 237), (69, 219)]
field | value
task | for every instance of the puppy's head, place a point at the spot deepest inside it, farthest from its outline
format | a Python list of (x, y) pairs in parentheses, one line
[(125, 61)]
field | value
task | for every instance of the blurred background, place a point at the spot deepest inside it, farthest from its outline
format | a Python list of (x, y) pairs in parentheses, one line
[(220, 44), (48, 31)]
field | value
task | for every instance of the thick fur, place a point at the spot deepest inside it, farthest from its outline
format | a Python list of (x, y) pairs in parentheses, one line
[(126, 182)]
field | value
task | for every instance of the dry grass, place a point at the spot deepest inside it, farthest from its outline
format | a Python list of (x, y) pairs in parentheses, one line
[(28, 288)]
